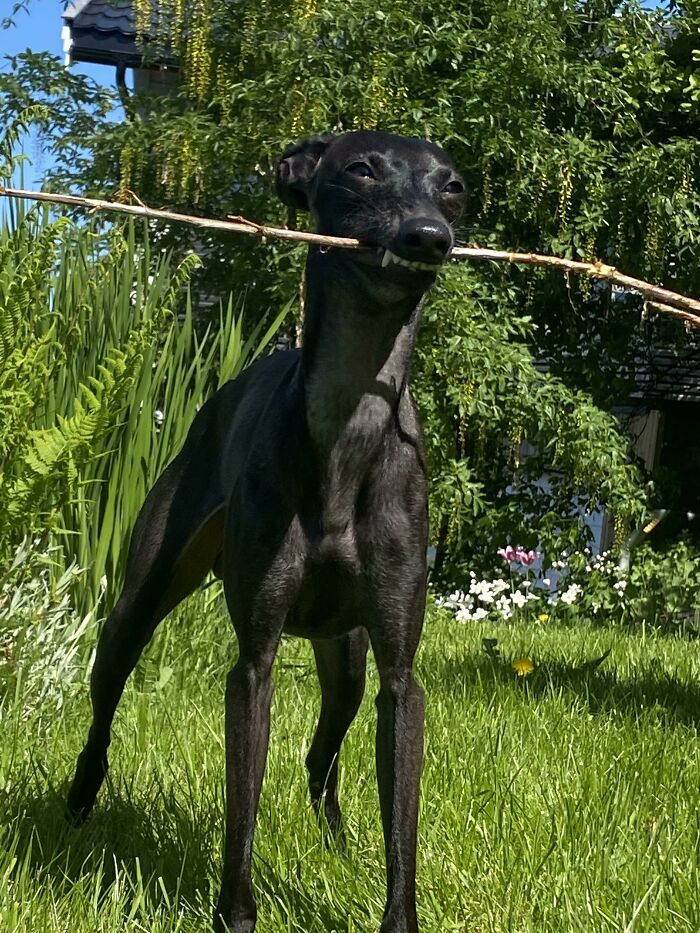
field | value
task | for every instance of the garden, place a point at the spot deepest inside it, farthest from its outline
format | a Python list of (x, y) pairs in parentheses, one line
[(561, 785)]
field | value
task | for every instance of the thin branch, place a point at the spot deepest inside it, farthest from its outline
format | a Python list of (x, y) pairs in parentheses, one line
[(239, 225), (661, 299), (691, 319), (598, 270)]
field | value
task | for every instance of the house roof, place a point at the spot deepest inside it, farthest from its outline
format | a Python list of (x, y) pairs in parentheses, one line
[(661, 374), (104, 32), (669, 375)]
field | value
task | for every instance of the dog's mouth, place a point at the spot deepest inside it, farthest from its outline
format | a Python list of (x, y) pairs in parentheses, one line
[(390, 258), (384, 258)]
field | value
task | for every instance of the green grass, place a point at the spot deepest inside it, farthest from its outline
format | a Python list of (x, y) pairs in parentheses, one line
[(563, 802)]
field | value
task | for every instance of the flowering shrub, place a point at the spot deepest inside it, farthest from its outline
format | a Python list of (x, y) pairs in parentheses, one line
[(658, 589)]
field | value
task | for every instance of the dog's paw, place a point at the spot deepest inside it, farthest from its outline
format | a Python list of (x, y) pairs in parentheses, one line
[(229, 920)]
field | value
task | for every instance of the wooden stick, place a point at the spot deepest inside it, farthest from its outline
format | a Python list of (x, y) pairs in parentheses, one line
[(661, 299), (690, 319), (239, 225), (597, 270)]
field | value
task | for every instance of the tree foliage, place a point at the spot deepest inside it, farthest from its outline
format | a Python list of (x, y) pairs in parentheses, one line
[(577, 128)]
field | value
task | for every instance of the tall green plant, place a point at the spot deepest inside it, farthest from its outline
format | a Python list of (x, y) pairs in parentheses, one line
[(101, 372)]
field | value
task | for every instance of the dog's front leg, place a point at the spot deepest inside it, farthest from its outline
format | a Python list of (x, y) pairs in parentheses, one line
[(400, 714), (261, 577), (249, 690), (400, 710)]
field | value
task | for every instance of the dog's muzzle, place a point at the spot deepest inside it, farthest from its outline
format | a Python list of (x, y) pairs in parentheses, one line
[(421, 244)]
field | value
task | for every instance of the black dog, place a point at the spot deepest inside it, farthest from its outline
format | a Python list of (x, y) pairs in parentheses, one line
[(303, 483)]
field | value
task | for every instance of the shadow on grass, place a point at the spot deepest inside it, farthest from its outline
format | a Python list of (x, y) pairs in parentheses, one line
[(152, 843), (674, 701), (164, 852)]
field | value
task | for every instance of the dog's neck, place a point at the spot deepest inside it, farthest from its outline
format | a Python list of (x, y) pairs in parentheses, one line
[(356, 350), (356, 353)]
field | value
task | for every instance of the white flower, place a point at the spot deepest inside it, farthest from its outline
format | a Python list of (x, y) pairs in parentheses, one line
[(571, 594), (504, 607), (518, 599)]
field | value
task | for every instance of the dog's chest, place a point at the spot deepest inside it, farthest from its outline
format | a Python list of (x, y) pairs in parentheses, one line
[(331, 589), (335, 544)]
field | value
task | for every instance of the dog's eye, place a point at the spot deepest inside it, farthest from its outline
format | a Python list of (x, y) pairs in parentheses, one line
[(361, 169), (453, 187)]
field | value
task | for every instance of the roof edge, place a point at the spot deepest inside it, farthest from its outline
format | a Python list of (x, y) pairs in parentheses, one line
[(76, 7)]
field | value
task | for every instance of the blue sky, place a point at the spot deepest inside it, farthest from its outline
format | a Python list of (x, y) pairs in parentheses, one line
[(39, 29)]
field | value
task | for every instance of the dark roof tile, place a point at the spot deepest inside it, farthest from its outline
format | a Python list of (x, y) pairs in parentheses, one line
[(102, 15), (104, 32)]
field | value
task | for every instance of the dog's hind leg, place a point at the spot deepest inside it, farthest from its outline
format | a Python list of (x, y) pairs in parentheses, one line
[(176, 540), (341, 664)]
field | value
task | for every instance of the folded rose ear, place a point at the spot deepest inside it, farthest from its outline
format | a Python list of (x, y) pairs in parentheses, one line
[(296, 170)]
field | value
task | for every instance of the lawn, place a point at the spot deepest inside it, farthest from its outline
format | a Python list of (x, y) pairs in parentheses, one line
[(564, 801)]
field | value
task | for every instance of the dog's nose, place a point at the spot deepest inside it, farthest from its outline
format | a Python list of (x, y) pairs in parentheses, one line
[(423, 240)]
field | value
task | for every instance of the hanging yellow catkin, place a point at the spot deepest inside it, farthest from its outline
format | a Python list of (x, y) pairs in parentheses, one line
[(378, 98), (125, 168), (143, 15), (187, 162), (248, 35), (541, 187), (303, 10), (486, 191), (588, 255), (198, 62), (453, 522), (620, 529), (654, 245), (179, 28), (468, 393), (166, 22), (224, 87), (296, 107), (565, 191), (515, 436)]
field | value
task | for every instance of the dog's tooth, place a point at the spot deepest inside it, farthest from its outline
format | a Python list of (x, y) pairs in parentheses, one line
[(390, 257)]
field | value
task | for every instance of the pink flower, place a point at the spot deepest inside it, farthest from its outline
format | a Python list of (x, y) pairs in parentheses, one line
[(518, 555), (526, 558)]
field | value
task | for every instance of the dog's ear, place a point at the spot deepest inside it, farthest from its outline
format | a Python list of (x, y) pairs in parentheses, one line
[(296, 169)]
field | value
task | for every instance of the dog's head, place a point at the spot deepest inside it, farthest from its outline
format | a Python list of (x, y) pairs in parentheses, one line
[(398, 195)]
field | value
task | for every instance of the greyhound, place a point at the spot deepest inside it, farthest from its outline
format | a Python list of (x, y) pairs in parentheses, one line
[(303, 484)]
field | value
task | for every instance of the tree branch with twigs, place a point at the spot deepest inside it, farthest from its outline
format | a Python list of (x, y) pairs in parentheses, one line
[(658, 299)]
